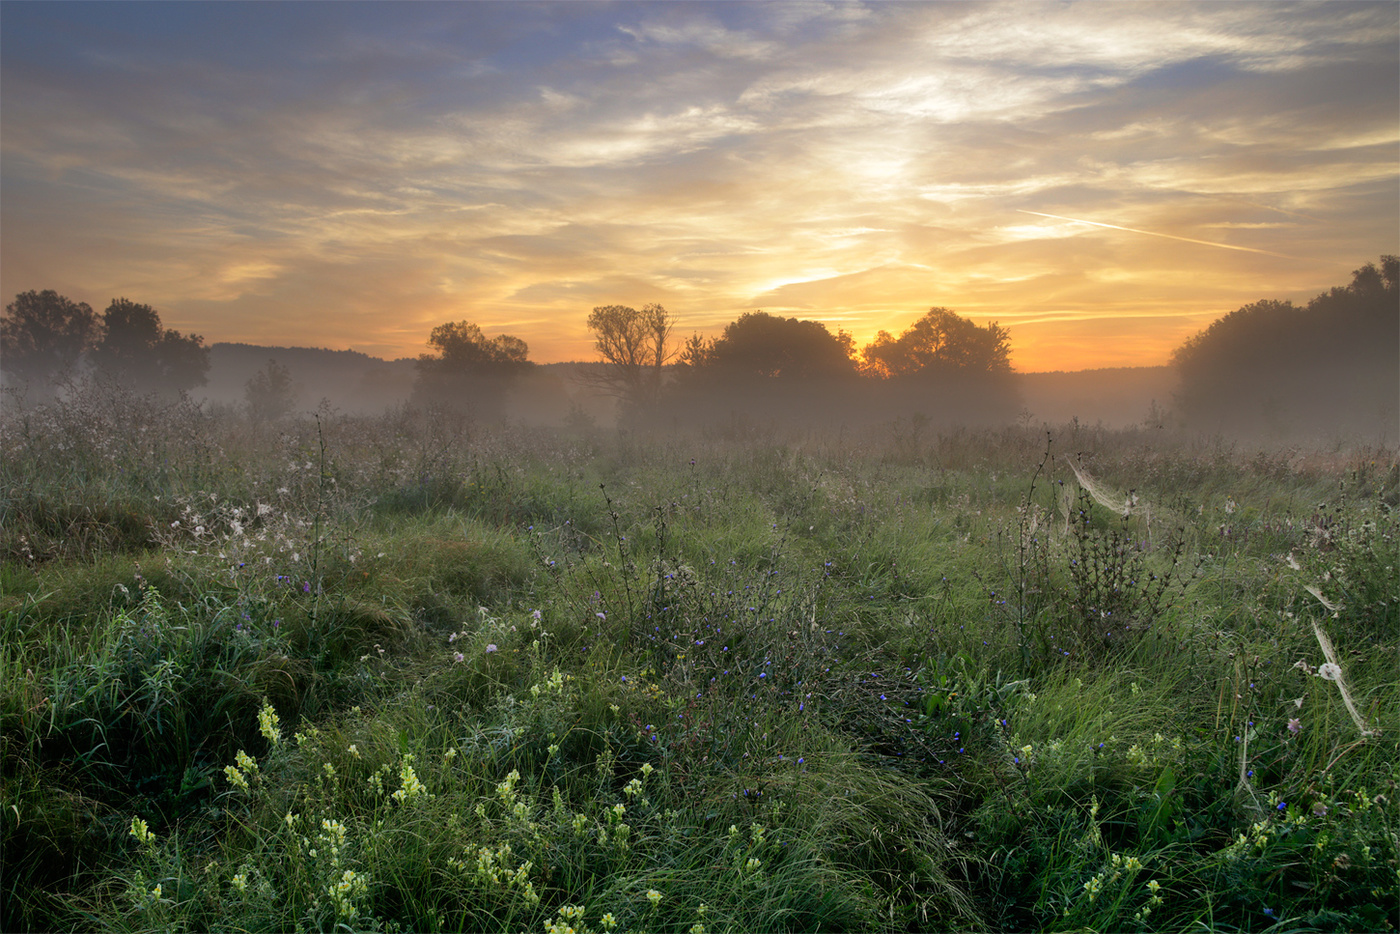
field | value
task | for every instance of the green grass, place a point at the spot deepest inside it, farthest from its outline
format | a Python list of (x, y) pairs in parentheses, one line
[(856, 682)]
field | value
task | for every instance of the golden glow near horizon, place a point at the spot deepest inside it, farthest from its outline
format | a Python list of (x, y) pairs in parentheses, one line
[(1102, 178)]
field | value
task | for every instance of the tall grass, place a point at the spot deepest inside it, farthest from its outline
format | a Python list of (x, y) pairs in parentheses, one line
[(408, 673)]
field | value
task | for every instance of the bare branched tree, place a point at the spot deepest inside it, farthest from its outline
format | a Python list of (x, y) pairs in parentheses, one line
[(635, 347)]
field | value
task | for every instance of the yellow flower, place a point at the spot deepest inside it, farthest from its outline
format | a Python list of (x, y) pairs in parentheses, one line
[(141, 832), (269, 725), (654, 897), (235, 777)]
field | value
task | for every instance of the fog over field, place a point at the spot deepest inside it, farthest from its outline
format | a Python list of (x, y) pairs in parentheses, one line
[(1118, 397)]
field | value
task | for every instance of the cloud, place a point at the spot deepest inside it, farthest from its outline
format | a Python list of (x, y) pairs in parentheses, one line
[(364, 173)]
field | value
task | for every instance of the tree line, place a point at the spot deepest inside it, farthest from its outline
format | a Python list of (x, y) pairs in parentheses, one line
[(44, 336), (1333, 362), (757, 362)]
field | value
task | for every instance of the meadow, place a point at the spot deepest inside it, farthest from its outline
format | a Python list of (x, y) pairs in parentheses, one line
[(408, 673)]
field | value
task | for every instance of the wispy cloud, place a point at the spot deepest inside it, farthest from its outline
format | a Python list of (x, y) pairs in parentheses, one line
[(1154, 233)]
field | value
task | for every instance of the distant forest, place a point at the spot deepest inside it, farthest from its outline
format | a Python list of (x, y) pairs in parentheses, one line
[(1269, 368)]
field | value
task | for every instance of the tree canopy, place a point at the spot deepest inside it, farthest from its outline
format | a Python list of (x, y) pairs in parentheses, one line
[(43, 335), (940, 342), (1275, 365), (468, 370), (762, 345), (270, 393), (137, 351), (635, 347)]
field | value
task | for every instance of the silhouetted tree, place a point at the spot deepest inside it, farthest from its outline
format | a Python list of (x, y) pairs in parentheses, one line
[(1274, 366), (469, 371), (940, 342), (635, 347), (765, 368), (138, 352), (270, 394), (762, 345), (943, 367), (42, 336)]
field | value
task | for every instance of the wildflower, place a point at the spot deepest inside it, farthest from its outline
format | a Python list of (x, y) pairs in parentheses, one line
[(1295, 726), (654, 897), (608, 921), (754, 864), (647, 769), (1153, 886), (491, 647), (458, 657), (235, 777), (1329, 671), (411, 787), (240, 882), (269, 725), (141, 832), (350, 886), (354, 750)]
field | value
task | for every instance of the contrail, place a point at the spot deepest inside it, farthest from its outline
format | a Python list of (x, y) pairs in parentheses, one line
[(1223, 246)]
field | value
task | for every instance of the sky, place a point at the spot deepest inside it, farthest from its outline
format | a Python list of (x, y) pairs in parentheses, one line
[(1102, 178)]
